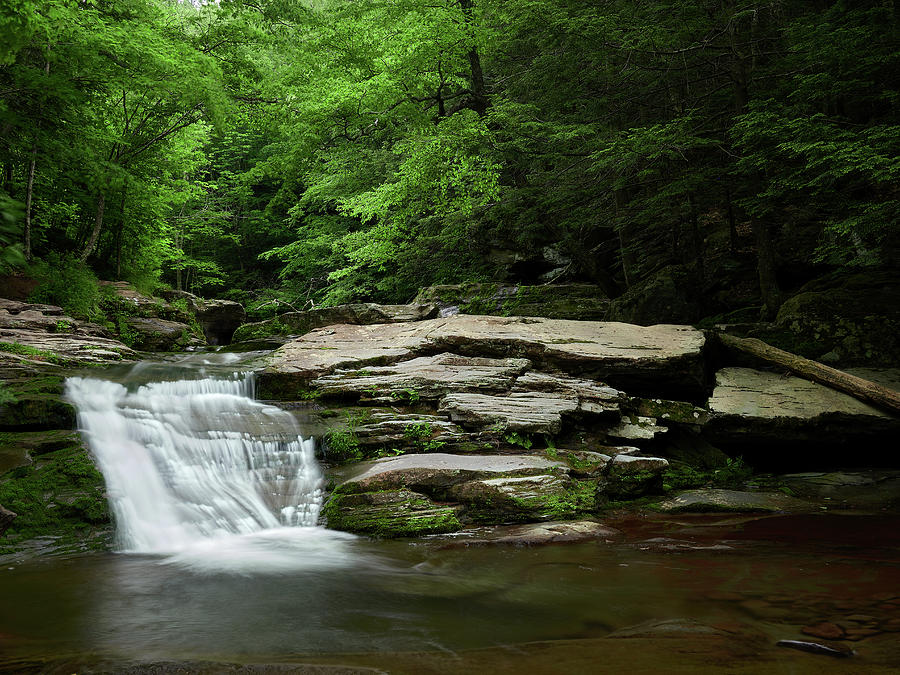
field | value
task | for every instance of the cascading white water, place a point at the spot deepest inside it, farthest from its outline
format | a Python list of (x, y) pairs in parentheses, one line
[(190, 462)]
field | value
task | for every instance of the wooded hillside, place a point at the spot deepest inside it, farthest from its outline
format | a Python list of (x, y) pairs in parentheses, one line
[(329, 151)]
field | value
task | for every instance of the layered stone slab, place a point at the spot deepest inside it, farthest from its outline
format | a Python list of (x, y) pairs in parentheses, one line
[(644, 358), (533, 413), (750, 407), (427, 377)]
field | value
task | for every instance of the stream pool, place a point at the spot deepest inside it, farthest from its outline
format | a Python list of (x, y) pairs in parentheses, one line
[(672, 594)]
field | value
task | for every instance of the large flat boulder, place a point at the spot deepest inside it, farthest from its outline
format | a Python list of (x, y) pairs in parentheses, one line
[(520, 499), (436, 472), (640, 359), (389, 513), (427, 377), (759, 409), (436, 492)]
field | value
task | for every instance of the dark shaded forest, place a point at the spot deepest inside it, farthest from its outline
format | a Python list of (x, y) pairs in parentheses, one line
[(314, 153)]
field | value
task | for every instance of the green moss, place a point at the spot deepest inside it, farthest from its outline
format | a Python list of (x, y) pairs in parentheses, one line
[(260, 330), (388, 513), (34, 353), (60, 494), (580, 498)]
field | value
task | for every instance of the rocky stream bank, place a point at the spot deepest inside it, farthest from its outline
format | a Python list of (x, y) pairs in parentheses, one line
[(433, 425)]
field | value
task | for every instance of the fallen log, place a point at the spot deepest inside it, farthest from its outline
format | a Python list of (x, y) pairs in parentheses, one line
[(864, 390)]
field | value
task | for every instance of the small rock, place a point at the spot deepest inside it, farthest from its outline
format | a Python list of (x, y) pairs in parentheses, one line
[(824, 629)]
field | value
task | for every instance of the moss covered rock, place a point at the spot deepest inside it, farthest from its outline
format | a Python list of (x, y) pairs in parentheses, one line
[(359, 314), (389, 513), (848, 321), (669, 296), (60, 494), (583, 302)]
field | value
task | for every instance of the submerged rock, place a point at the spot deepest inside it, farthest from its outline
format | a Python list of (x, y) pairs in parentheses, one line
[(732, 501), (539, 534)]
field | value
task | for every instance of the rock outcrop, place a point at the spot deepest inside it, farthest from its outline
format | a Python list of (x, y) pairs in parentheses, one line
[(43, 334), (636, 358), (218, 318), (759, 411), (6, 519), (846, 320), (417, 493), (581, 302)]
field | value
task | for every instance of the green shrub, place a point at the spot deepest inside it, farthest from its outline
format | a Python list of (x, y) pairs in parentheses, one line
[(66, 281)]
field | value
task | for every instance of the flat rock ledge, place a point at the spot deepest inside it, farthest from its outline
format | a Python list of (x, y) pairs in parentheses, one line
[(58, 338), (67, 348), (639, 359), (750, 406), (430, 377), (733, 501)]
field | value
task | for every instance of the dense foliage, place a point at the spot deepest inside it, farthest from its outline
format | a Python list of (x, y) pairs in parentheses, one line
[(330, 150)]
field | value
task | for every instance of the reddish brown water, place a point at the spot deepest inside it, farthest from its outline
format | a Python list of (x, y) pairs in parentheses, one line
[(674, 595)]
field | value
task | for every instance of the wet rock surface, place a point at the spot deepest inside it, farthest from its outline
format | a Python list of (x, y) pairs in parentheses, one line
[(733, 501), (536, 534)]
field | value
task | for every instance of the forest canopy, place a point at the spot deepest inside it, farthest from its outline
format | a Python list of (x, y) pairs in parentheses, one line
[(329, 151)]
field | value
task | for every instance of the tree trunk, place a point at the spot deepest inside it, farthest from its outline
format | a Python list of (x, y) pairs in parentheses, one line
[(95, 233), (29, 191), (119, 231), (480, 100), (732, 226), (857, 387), (768, 283)]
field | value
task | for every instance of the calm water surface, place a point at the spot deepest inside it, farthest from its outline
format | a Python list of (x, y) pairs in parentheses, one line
[(751, 583)]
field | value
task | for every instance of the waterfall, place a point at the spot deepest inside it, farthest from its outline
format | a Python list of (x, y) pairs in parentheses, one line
[(193, 461)]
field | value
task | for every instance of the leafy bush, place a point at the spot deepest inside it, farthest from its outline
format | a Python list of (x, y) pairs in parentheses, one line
[(66, 281)]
